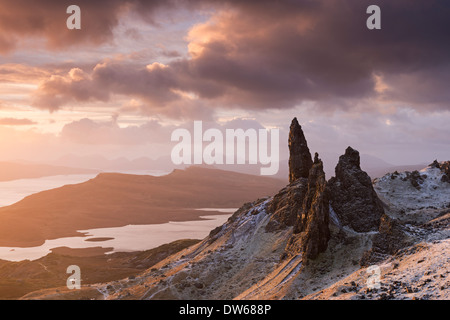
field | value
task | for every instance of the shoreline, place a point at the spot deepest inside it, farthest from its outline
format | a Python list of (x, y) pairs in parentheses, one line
[(127, 238), (182, 215)]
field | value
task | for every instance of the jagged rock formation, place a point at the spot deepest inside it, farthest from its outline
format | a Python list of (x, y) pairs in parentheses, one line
[(415, 178), (415, 200), (298, 244), (352, 196), (288, 202), (303, 204), (316, 213), (445, 169), (300, 161), (311, 232)]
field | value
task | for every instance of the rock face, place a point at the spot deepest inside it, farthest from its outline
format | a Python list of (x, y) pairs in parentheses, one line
[(389, 239), (445, 169), (315, 214), (303, 204), (352, 196), (300, 161), (287, 203), (311, 233)]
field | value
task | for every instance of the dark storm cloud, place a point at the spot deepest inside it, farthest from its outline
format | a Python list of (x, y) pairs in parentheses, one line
[(281, 57), (277, 54), (21, 19)]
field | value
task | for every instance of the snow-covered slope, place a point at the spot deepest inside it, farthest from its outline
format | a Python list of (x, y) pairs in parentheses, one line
[(415, 196), (418, 272), (231, 259), (242, 260)]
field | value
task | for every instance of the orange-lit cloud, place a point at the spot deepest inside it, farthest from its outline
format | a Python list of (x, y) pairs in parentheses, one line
[(21, 73), (15, 122)]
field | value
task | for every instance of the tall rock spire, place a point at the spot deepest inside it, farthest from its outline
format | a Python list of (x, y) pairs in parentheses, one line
[(311, 232), (315, 213), (352, 195), (300, 161)]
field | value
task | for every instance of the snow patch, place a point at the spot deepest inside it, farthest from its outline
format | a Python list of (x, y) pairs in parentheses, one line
[(334, 218), (397, 190)]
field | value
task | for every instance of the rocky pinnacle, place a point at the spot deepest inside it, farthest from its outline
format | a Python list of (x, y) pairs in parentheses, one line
[(315, 213), (311, 232), (352, 195), (300, 161)]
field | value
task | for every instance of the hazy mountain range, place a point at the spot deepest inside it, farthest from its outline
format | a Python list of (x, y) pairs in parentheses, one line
[(75, 164), (17, 170)]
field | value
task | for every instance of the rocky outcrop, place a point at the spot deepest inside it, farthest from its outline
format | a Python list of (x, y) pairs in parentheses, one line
[(415, 178), (303, 204), (287, 203), (300, 161), (311, 233), (445, 169), (352, 196), (389, 239), (315, 214)]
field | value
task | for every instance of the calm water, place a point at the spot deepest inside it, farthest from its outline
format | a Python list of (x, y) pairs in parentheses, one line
[(127, 238), (13, 191)]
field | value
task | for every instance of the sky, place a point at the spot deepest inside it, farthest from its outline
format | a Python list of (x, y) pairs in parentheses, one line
[(137, 70)]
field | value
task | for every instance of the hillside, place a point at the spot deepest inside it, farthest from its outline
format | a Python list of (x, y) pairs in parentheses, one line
[(114, 200), (22, 277), (344, 238)]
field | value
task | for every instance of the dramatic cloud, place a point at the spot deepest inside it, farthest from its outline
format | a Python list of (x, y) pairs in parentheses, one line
[(267, 54), (384, 92), (19, 73), (22, 19)]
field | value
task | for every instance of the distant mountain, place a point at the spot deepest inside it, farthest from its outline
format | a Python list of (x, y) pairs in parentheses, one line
[(113, 200), (380, 172), (374, 166), (120, 164), (13, 171)]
